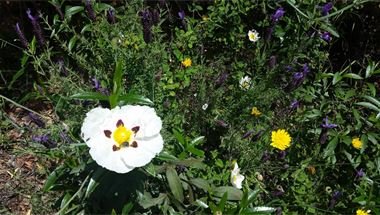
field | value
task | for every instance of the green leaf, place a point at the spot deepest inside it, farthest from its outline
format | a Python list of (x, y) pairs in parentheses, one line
[(373, 100), (201, 203), (180, 138), (70, 11), (330, 29), (94, 181), (86, 28), (197, 140), (147, 201), (127, 208), (352, 75), (174, 183), (118, 75), (72, 42), (259, 210), (131, 98), (232, 192), (330, 149), (368, 105), (200, 183), (195, 151), (52, 178), (90, 96), (337, 78), (20, 72)]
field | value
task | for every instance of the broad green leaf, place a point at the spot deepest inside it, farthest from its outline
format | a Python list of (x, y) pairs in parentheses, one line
[(232, 192), (352, 75), (191, 162), (195, 151), (200, 183), (174, 183), (201, 203), (259, 210), (134, 99), (86, 28), (65, 199), (147, 201), (165, 156), (117, 77), (330, 149), (70, 11), (179, 136), (368, 105), (90, 96)]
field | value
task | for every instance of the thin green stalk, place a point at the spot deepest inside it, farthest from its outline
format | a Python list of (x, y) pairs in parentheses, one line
[(21, 106)]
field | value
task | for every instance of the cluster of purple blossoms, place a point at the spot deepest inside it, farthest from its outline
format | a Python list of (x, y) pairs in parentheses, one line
[(21, 36), (36, 27), (299, 77), (325, 9), (326, 36), (325, 127), (278, 14), (90, 10), (148, 19), (45, 140)]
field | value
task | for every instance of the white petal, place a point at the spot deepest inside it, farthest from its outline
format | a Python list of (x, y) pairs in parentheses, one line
[(143, 116), (146, 150), (109, 159), (237, 181), (93, 123)]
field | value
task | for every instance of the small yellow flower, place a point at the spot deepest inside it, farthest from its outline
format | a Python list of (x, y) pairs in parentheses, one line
[(187, 62), (205, 18), (281, 139), (255, 111), (363, 212), (356, 143)]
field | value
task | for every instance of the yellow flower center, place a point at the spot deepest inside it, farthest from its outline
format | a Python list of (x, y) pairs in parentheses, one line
[(255, 111), (252, 36), (122, 135), (187, 62)]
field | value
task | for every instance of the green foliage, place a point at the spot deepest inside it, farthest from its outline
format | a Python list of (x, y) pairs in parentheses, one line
[(206, 113)]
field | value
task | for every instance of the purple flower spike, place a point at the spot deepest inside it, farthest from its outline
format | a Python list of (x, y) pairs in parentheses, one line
[(44, 140), (90, 10), (326, 8), (37, 120), (111, 16), (221, 123), (181, 14), (36, 27), (326, 36), (326, 124), (360, 173), (294, 105), (305, 69), (278, 14), (147, 23), (21, 36)]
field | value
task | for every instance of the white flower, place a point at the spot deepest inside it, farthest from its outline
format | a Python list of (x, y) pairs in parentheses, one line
[(123, 138), (236, 177), (245, 82), (253, 35), (205, 106)]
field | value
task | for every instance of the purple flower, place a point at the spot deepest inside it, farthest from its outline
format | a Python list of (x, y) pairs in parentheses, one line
[(221, 123), (36, 27), (37, 120), (111, 16), (335, 197), (359, 174), (325, 9), (326, 124), (294, 105), (272, 61), (181, 14), (326, 36), (247, 134), (146, 20), (21, 36), (155, 16), (97, 86), (278, 14), (90, 10), (288, 68), (64, 137), (269, 33), (221, 79), (44, 140), (305, 69)]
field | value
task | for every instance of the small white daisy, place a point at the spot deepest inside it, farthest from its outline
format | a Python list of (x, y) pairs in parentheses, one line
[(245, 82), (123, 138), (253, 35), (205, 106)]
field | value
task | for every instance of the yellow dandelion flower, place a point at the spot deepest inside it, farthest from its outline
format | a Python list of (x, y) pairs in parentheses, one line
[(281, 139), (187, 62), (255, 111), (356, 143), (363, 212)]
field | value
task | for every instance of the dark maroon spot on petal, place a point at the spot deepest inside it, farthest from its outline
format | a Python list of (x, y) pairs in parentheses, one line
[(115, 148), (119, 123), (126, 144), (134, 144), (136, 129), (107, 133)]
